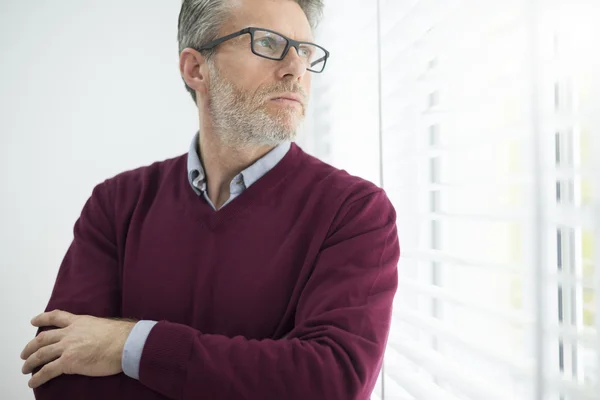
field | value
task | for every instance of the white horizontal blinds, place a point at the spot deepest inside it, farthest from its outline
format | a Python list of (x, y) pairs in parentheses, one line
[(457, 128), (565, 87), (458, 325)]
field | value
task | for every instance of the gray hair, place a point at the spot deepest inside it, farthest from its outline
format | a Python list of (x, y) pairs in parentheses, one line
[(201, 20)]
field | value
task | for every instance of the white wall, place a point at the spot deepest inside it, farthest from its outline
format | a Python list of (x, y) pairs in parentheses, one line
[(87, 90)]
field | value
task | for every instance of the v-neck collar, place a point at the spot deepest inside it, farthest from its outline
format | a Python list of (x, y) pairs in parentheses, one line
[(250, 198), (240, 182)]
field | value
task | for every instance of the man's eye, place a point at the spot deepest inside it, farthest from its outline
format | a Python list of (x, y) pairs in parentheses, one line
[(304, 52), (265, 42)]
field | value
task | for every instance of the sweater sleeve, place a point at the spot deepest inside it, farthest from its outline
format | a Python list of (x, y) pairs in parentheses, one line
[(86, 284), (335, 350)]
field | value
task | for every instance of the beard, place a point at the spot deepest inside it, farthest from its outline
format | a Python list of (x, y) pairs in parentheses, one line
[(243, 120)]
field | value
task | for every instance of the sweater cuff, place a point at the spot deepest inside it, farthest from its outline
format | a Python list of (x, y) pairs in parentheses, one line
[(132, 352), (163, 367)]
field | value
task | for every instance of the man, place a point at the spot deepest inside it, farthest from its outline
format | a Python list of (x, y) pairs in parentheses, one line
[(245, 269)]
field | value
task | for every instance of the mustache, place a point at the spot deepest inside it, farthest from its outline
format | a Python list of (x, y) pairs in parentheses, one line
[(267, 92)]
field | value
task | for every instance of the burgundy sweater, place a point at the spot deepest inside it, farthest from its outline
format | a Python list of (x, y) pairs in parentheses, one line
[(284, 294)]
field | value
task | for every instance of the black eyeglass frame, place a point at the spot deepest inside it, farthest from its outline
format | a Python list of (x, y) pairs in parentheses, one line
[(290, 43)]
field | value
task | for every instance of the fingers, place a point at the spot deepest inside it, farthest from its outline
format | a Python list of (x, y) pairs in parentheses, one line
[(43, 356), (43, 339), (58, 318), (48, 372)]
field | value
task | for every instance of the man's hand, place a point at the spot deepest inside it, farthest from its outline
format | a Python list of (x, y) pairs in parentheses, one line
[(83, 345)]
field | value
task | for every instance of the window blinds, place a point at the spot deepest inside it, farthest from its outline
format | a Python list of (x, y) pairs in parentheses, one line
[(486, 126), (489, 137)]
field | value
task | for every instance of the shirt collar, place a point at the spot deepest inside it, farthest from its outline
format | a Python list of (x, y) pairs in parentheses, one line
[(249, 176)]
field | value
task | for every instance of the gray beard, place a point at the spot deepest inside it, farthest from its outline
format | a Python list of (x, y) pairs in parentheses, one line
[(239, 123)]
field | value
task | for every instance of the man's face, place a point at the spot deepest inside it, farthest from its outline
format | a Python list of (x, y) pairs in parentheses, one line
[(242, 85)]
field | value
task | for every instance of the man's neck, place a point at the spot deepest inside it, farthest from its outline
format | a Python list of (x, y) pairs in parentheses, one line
[(222, 163)]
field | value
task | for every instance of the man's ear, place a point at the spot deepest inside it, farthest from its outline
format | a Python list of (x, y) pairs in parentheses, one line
[(193, 68)]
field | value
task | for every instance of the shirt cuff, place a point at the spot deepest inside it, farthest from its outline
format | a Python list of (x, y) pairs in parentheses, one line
[(134, 346)]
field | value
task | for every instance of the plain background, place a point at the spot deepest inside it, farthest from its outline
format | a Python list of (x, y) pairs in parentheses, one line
[(91, 89)]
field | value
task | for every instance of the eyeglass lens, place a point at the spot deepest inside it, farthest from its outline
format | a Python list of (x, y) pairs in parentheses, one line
[(272, 45)]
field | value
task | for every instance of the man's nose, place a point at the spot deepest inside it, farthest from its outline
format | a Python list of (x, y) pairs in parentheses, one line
[(293, 64)]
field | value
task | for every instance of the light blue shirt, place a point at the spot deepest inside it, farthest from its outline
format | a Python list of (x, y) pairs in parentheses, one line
[(134, 346)]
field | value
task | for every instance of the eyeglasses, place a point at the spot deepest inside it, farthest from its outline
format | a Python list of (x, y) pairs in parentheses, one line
[(275, 46)]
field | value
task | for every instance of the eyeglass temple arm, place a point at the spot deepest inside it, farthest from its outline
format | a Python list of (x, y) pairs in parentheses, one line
[(312, 64), (217, 42)]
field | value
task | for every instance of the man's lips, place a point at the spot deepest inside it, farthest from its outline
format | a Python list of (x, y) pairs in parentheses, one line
[(283, 100), (288, 97)]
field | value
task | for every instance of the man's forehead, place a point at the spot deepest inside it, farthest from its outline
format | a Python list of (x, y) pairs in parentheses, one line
[(283, 16)]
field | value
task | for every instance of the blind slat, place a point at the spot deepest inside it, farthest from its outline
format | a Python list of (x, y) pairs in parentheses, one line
[(466, 381), (517, 364)]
